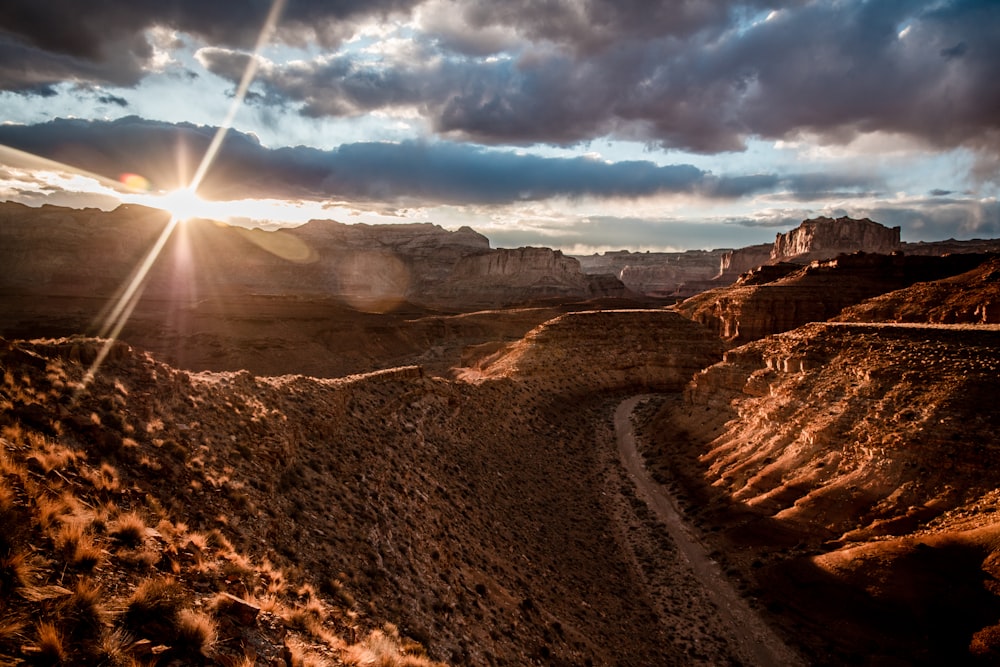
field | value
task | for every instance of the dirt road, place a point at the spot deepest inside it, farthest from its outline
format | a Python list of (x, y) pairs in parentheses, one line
[(751, 639)]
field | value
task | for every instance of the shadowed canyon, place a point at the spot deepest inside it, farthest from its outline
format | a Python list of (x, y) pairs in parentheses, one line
[(396, 445)]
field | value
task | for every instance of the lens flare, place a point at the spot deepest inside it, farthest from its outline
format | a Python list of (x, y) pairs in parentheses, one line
[(135, 182)]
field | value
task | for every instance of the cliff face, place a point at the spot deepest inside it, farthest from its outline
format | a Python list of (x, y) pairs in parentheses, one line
[(739, 261), (658, 274), (969, 298), (369, 267), (817, 292), (824, 238)]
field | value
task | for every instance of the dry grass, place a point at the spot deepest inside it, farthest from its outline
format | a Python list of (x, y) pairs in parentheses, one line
[(385, 648), (152, 610), (128, 529), (51, 646), (194, 633), (78, 547), (15, 573)]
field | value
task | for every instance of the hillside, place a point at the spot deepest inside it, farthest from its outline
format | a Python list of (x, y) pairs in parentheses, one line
[(489, 522), (972, 297), (844, 472)]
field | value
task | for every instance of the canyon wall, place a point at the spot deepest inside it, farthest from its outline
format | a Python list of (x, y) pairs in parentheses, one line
[(844, 469), (748, 310), (658, 274), (371, 268)]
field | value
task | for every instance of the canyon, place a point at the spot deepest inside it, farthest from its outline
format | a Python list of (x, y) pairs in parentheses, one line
[(420, 464)]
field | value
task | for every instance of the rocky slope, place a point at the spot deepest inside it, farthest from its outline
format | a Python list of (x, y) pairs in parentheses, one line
[(846, 466), (584, 352), (751, 309), (970, 298), (486, 520)]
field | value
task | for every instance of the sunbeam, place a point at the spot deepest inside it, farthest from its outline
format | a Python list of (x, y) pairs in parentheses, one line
[(248, 74), (182, 204)]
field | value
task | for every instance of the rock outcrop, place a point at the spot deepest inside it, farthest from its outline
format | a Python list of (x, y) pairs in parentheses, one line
[(824, 238), (970, 298), (510, 276), (749, 310), (844, 468), (741, 260)]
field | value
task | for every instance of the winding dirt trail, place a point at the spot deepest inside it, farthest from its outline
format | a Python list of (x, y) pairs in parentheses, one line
[(753, 641)]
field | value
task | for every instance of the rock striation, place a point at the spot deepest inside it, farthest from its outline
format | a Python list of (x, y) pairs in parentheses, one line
[(844, 467), (824, 238), (741, 260), (658, 274), (752, 309)]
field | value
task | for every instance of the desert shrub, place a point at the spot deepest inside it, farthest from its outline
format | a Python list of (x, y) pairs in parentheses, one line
[(152, 610), (128, 530), (15, 573), (78, 547), (194, 633), (83, 611), (385, 648), (111, 649), (51, 647)]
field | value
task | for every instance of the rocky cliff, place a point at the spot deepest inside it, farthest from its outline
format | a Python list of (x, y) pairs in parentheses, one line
[(658, 274), (969, 298), (58, 251), (844, 467), (510, 276), (749, 310), (824, 238), (736, 262)]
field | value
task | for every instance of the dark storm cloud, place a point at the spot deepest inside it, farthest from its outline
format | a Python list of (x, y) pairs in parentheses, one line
[(699, 78), (424, 173), (105, 42)]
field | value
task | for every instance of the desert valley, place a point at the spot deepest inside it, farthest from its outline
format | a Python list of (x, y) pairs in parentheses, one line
[(395, 445)]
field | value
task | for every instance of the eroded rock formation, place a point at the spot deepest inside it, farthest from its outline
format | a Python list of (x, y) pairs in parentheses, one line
[(751, 310), (823, 238), (371, 267), (846, 467)]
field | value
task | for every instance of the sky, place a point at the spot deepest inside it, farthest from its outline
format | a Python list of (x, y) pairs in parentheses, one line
[(581, 125)]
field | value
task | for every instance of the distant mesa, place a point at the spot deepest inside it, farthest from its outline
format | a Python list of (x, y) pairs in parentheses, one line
[(823, 238)]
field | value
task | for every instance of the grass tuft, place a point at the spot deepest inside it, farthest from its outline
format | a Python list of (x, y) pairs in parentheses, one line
[(128, 530)]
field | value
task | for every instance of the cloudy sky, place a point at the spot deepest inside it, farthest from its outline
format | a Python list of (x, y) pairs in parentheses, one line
[(583, 125)]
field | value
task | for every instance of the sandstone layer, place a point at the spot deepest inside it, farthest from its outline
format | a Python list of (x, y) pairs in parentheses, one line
[(751, 308), (969, 298), (658, 274), (823, 238)]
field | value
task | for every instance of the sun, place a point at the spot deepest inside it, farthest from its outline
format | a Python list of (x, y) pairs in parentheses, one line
[(184, 204)]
